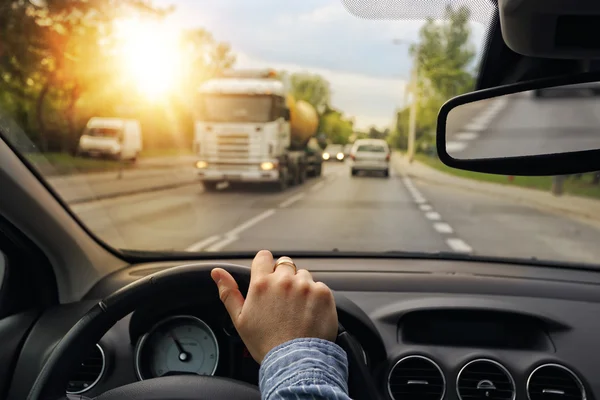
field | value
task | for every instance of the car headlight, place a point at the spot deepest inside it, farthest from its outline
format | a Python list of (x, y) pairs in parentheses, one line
[(267, 166), (326, 156), (340, 156), (201, 164)]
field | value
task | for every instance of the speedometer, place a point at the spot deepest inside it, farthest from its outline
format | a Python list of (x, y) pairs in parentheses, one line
[(175, 346)]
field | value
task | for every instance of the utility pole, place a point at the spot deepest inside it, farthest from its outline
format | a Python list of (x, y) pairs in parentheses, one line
[(412, 117), (413, 88)]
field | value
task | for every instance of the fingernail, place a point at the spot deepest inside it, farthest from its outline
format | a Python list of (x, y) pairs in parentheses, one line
[(216, 277)]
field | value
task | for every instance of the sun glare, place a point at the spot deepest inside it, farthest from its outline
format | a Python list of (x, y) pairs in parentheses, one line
[(150, 54)]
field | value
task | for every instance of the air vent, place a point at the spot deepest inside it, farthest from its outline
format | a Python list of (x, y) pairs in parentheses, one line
[(485, 379), (553, 381), (416, 378), (89, 373)]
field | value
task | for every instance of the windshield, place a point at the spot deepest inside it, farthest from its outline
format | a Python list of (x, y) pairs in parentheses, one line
[(206, 174), (372, 148), (103, 132), (236, 108)]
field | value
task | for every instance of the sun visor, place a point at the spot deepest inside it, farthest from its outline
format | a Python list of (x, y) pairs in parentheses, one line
[(552, 28)]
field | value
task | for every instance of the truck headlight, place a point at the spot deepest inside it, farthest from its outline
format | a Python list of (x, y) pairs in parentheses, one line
[(340, 156), (326, 156), (201, 164), (267, 166)]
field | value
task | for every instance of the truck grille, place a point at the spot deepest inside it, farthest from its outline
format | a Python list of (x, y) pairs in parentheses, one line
[(231, 146)]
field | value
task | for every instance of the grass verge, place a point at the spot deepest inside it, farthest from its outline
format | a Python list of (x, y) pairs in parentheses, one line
[(50, 164), (574, 186)]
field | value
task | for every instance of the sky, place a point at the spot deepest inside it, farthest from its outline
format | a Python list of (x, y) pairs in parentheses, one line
[(366, 70)]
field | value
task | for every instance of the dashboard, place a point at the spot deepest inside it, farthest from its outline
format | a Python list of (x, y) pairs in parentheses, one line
[(428, 329)]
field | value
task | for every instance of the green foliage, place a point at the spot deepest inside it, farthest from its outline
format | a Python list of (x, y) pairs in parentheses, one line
[(444, 55), (336, 127), (59, 67), (444, 58), (312, 88), (585, 185)]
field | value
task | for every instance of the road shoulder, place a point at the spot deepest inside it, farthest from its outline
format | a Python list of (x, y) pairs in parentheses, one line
[(579, 208)]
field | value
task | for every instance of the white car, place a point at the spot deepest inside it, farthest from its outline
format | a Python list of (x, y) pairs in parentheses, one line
[(370, 155)]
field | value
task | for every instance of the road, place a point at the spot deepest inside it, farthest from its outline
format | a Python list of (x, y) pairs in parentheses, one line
[(337, 211), (521, 124)]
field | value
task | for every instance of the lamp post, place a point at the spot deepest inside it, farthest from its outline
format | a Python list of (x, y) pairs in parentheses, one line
[(412, 117)]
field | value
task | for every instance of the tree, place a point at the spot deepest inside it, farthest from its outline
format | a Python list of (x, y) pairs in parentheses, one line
[(59, 66), (312, 88), (336, 127), (444, 60), (375, 133), (203, 58), (444, 54)]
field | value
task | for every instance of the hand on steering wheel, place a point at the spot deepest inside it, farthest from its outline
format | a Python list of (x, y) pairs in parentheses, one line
[(282, 304)]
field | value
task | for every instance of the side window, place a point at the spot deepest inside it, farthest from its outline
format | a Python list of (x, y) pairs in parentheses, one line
[(279, 107)]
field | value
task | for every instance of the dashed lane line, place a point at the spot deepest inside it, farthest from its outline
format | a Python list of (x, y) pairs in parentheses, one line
[(432, 215), (443, 227), (251, 222), (203, 243), (220, 245), (291, 200), (459, 245), (456, 244)]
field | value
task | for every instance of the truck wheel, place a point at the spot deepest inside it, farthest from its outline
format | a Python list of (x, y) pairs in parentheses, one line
[(282, 183), (295, 178), (302, 175), (386, 173), (210, 186), (353, 172), (318, 170)]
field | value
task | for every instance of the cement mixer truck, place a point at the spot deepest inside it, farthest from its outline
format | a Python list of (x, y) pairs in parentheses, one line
[(249, 129)]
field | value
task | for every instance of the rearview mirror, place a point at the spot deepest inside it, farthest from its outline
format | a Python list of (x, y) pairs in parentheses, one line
[(546, 127)]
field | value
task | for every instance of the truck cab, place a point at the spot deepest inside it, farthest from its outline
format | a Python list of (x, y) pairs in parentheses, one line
[(242, 132)]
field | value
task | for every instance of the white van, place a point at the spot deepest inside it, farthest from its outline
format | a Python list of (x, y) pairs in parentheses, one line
[(120, 139)]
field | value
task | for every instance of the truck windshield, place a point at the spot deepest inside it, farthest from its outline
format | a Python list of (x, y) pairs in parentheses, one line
[(103, 132), (237, 108)]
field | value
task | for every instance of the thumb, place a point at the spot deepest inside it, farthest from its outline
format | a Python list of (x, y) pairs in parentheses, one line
[(229, 293)]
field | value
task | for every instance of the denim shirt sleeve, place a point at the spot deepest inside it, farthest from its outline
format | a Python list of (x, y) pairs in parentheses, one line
[(306, 368)]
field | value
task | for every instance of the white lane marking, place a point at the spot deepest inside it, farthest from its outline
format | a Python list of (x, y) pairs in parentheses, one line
[(252, 221), (459, 245), (466, 136), (232, 235), (453, 147), (317, 186), (225, 242), (291, 200), (203, 243), (475, 126), (442, 227), (432, 215)]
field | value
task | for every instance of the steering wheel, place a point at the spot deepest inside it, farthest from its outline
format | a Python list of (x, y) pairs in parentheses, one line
[(52, 380)]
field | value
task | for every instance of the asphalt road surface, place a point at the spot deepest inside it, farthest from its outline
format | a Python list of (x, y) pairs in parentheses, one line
[(521, 124), (337, 211)]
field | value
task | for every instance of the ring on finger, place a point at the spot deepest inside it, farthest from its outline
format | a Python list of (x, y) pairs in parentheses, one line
[(285, 261)]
